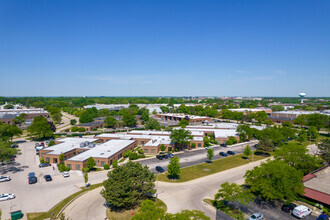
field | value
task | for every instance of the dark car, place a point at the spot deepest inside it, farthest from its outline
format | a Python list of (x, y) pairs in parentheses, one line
[(44, 165), (48, 178), (223, 145), (288, 207), (160, 169), (231, 152), (32, 174), (223, 154), (159, 157), (170, 155), (32, 179), (14, 146)]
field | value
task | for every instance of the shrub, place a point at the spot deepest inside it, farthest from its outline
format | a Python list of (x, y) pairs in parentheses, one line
[(74, 129), (141, 156), (140, 151), (115, 164), (106, 166), (133, 156), (61, 167), (126, 154), (193, 145), (67, 168), (51, 143), (42, 160), (85, 169), (81, 129)]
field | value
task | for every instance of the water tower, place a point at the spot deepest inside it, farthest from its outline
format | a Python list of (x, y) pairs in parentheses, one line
[(302, 95)]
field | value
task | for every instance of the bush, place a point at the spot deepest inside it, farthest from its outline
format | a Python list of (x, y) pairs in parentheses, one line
[(193, 145), (74, 129), (42, 160), (51, 143), (106, 166), (81, 129), (61, 167), (140, 151), (133, 156), (85, 169), (141, 156), (115, 164), (126, 154)]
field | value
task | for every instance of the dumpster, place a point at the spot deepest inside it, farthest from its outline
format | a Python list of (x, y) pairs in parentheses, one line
[(16, 215)]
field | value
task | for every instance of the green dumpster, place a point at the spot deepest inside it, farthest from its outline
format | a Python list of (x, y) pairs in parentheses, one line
[(16, 215)]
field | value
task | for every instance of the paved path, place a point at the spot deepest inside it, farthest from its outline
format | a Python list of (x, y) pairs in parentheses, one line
[(190, 195), (177, 196), (88, 206)]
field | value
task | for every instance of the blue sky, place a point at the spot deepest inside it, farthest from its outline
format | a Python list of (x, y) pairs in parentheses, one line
[(164, 48)]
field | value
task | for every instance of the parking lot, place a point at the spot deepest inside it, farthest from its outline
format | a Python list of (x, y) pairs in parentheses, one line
[(41, 196), (193, 157)]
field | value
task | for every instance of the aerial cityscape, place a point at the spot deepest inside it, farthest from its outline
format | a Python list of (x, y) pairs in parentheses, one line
[(164, 110)]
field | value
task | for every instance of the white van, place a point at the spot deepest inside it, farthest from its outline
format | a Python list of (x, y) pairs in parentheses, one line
[(301, 211)]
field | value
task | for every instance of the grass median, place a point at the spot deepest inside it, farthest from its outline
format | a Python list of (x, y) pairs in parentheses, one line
[(59, 206), (205, 169)]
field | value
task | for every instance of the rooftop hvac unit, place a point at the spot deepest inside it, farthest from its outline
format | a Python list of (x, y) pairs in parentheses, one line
[(82, 144)]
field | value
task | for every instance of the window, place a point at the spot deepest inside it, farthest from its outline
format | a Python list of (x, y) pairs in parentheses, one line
[(199, 145), (142, 142), (69, 165), (102, 163), (47, 159), (146, 151), (223, 142), (77, 167), (110, 162), (153, 151)]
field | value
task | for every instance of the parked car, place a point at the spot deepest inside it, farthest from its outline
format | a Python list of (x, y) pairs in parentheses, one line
[(66, 174), (7, 196), (301, 211), (323, 216), (42, 143), (208, 148), (32, 174), (223, 154), (256, 216), (159, 157), (170, 155), (40, 147), (48, 178), (223, 145), (44, 165), (288, 207), (4, 178), (160, 169), (231, 152), (32, 178), (14, 146), (37, 152), (165, 155), (37, 144)]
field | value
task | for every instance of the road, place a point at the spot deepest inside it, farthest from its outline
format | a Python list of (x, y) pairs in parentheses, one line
[(66, 121)]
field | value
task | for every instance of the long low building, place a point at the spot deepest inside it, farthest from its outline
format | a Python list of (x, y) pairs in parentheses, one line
[(179, 117)]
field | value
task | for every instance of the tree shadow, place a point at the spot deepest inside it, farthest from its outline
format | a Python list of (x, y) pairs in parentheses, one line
[(173, 177), (12, 168)]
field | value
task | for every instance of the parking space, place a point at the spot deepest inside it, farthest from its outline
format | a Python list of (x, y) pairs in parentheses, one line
[(270, 211), (193, 157)]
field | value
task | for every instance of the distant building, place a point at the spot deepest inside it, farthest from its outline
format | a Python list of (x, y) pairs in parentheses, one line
[(290, 116), (8, 115), (251, 110), (179, 117)]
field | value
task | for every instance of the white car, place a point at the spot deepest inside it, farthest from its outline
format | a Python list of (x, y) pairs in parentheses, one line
[(7, 196), (256, 216), (4, 178), (301, 211), (66, 174)]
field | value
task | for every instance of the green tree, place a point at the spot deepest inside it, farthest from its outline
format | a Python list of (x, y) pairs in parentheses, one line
[(128, 185), (57, 117), (20, 119), (51, 143), (7, 132), (9, 106), (129, 119), (88, 115), (104, 112), (277, 108), (231, 140), (247, 151), (265, 145), (61, 158), (312, 133), (149, 210), (165, 109), (40, 128), (183, 123), (324, 150), (210, 154), (145, 116), (73, 121), (302, 135), (110, 122), (275, 180), (181, 138), (90, 163), (162, 147), (187, 215), (6, 151), (206, 141), (232, 192), (115, 164), (300, 120), (287, 124), (86, 177), (297, 156), (152, 124), (174, 168), (154, 112)]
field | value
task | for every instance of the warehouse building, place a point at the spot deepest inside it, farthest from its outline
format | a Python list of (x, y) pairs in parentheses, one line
[(179, 117)]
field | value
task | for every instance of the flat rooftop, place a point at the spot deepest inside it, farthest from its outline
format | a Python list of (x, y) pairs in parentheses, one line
[(104, 150), (249, 109), (319, 181), (69, 144), (184, 116)]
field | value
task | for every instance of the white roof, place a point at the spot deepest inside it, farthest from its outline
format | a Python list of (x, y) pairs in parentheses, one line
[(248, 109), (68, 145), (104, 150), (184, 115), (147, 132)]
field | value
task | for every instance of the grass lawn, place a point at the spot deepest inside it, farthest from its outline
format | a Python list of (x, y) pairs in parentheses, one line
[(58, 207), (129, 213), (205, 169)]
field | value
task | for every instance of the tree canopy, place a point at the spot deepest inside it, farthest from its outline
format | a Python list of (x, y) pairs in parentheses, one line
[(181, 137), (110, 122), (174, 167), (275, 180), (40, 128), (128, 185), (324, 150), (152, 124), (232, 192), (129, 119), (90, 164)]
